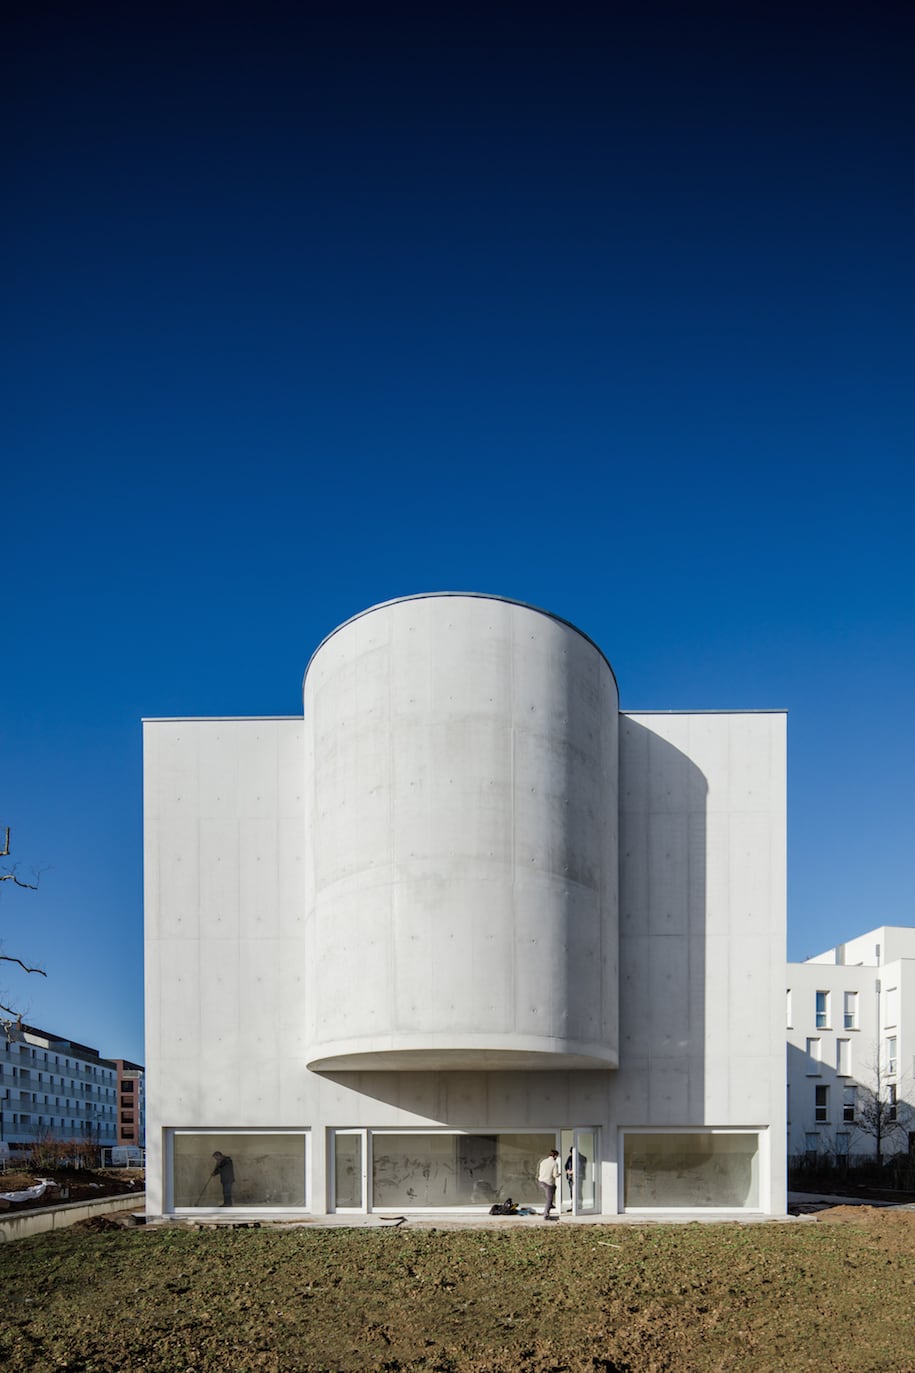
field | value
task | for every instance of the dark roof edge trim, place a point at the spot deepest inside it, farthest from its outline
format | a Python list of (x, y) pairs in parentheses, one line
[(715, 710)]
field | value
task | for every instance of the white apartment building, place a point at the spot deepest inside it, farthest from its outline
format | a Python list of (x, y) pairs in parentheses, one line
[(54, 1088), (851, 1041), (460, 911)]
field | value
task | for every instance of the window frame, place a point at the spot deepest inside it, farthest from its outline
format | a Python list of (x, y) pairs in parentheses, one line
[(220, 1132), (763, 1165), (850, 1011), (891, 1007)]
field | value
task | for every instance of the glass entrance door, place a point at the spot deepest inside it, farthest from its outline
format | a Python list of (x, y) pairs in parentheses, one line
[(349, 1171), (579, 1171)]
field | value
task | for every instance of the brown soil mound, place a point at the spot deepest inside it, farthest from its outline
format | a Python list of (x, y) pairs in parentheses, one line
[(709, 1298), (888, 1219)]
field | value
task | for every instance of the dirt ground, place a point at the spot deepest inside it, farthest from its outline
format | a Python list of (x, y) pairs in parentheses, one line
[(834, 1292), (72, 1184)]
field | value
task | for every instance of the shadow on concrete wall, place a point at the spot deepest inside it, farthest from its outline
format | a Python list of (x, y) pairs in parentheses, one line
[(513, 1099), (665, 926)]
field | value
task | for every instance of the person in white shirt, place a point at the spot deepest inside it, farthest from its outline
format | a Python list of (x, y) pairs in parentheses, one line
[(548, 1177)]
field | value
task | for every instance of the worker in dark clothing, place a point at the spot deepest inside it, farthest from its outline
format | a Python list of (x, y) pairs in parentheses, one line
[(226, 1175)]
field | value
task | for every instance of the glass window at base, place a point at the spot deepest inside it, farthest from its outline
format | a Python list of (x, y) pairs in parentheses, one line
[(441, 1170), (240, 1170), (701, 1169)]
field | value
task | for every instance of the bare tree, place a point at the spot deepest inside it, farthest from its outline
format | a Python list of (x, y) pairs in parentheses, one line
[(880, 1111), (9, 1016)]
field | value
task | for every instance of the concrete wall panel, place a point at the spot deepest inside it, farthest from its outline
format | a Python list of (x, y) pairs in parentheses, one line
[(461, 777), (702, 898)]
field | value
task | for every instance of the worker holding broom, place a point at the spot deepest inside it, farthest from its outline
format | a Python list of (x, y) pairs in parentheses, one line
[(226, 1173)]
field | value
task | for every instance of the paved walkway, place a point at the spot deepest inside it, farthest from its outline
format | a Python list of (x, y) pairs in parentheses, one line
[(802, 1205), (449, 1221)]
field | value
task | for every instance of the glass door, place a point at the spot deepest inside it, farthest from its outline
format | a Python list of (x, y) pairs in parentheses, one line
[(583, 1181), (349, 1171)]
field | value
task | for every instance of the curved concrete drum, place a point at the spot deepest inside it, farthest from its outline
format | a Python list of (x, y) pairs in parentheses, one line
[(461, 841)]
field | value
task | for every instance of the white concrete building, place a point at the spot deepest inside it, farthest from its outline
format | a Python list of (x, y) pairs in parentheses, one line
[(461, 911), (851, 1041)]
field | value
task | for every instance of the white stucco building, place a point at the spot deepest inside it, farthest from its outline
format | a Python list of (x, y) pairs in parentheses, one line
[(851, 1043), (461, 911)]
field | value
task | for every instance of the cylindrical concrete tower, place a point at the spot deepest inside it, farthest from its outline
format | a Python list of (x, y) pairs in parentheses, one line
[(461, 841)]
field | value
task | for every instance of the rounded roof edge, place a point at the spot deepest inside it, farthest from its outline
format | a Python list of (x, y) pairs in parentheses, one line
[(469, 595)]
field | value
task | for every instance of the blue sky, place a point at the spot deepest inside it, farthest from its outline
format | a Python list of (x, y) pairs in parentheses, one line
[(609, 309)]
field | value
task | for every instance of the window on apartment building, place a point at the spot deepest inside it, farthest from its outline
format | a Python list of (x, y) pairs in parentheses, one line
[(891, 1101), (822, 1010), (127, 1085), (843, 1057), (850, 1014), (892, 1006), (843, 1139), (811, 1142), (814, 1049), (821, 1104), (891, 1064)]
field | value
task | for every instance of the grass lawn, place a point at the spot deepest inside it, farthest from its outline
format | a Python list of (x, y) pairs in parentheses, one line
[(834, 1293)]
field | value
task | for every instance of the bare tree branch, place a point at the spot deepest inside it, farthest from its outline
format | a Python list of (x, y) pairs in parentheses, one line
[(11, 877), (881, 1110), (9, 1016), (8, 958)]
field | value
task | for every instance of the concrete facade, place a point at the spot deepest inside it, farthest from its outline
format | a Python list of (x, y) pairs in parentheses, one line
[(459, 911), (851, 1045)]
